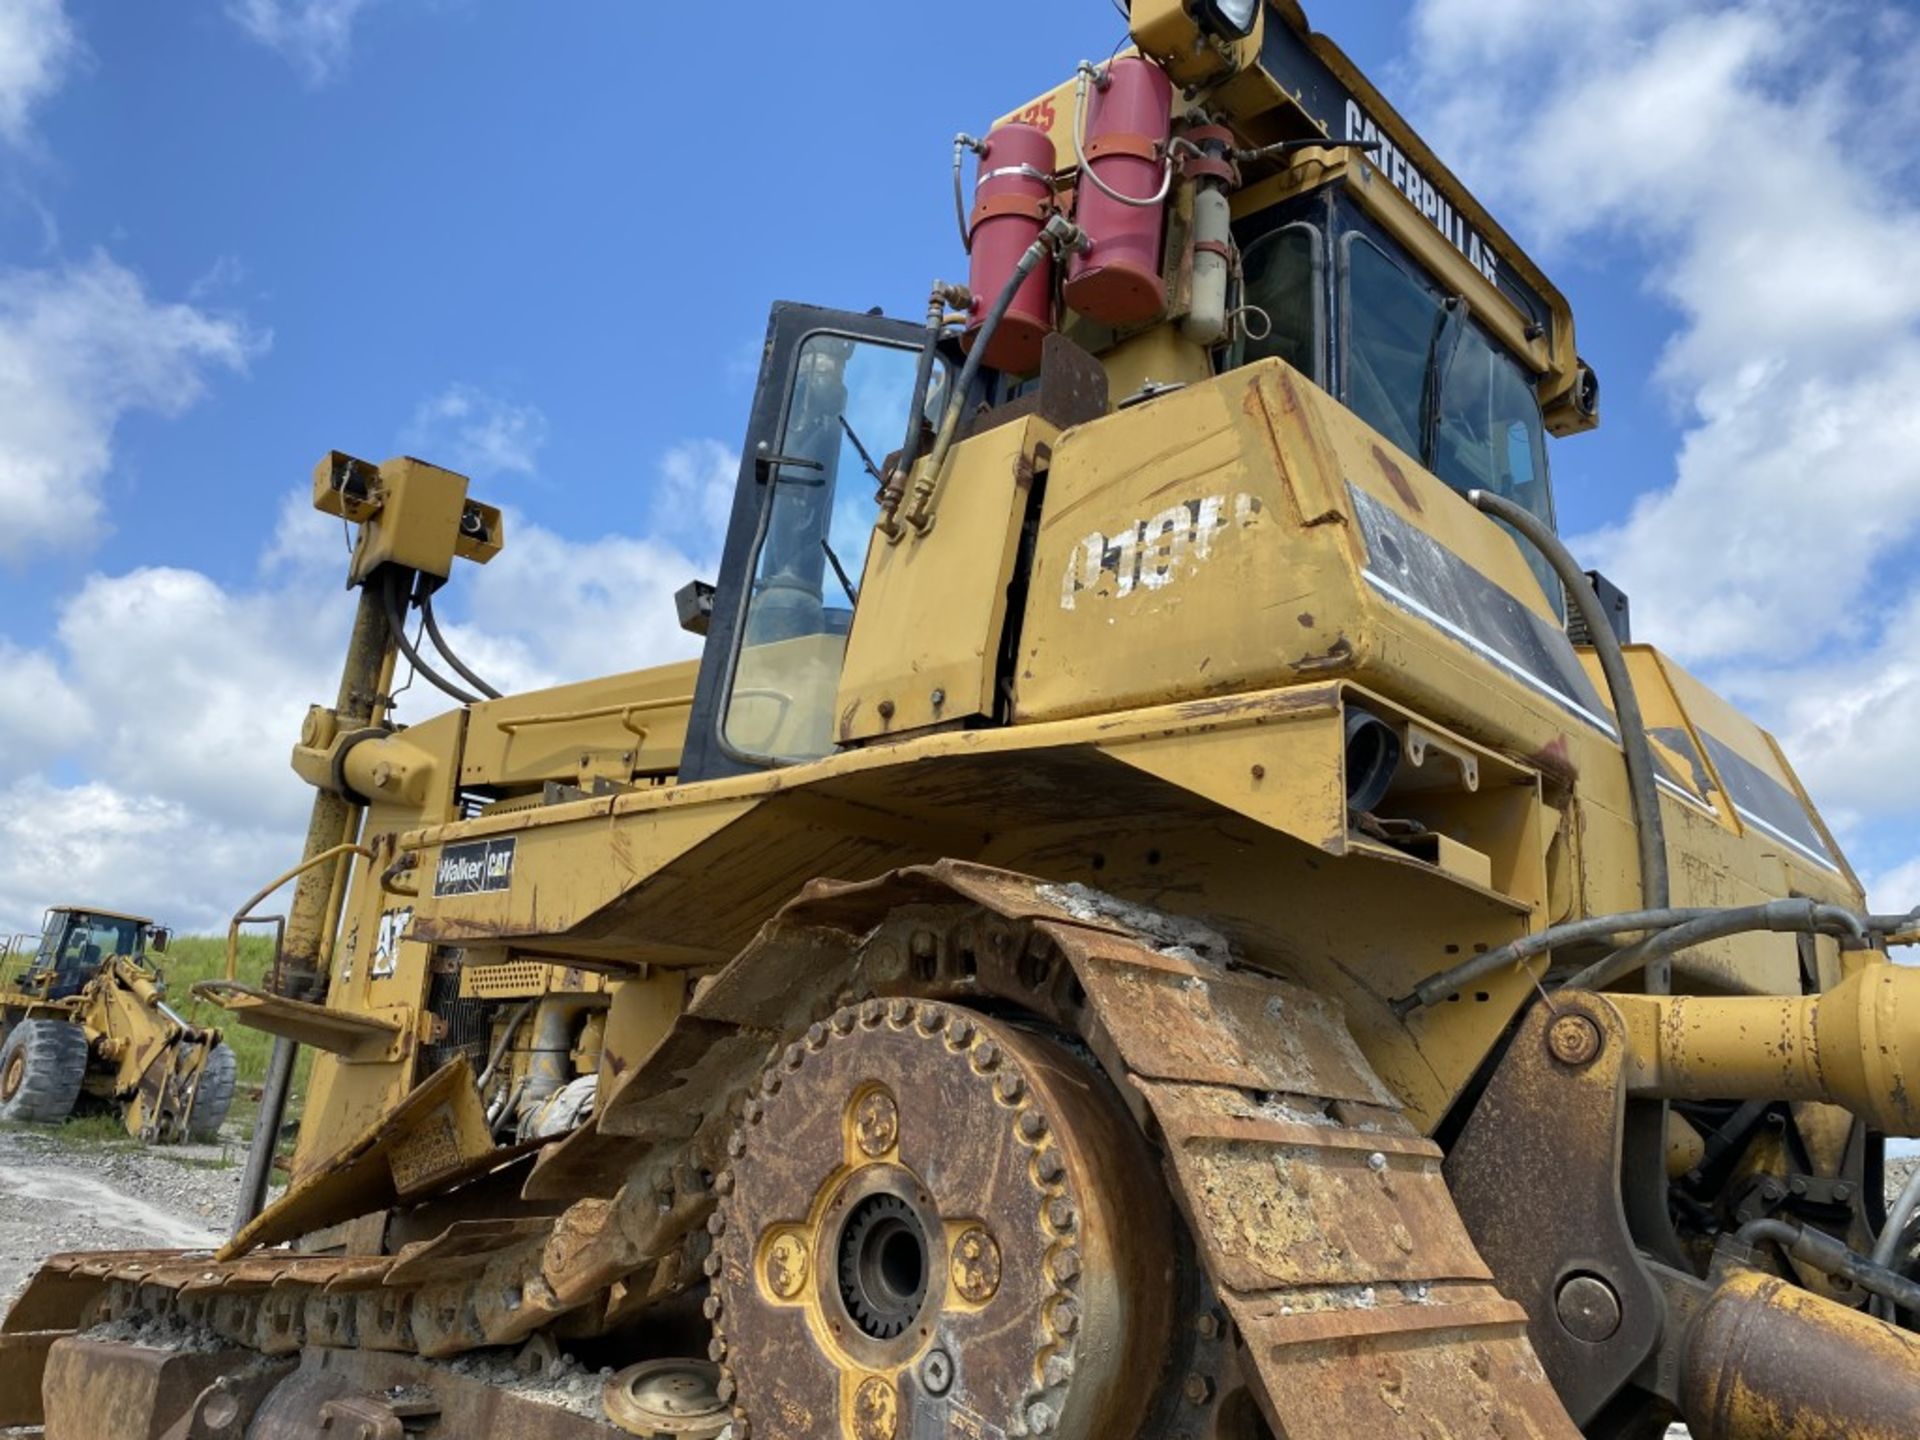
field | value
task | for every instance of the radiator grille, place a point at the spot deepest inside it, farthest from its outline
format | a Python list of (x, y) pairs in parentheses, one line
[(468, 1021)]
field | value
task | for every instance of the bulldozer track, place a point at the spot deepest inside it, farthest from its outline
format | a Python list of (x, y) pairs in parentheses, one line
[(1337, 1286)]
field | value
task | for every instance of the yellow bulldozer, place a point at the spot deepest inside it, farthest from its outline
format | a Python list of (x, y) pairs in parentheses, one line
[(84, 1019), (1171, 907)]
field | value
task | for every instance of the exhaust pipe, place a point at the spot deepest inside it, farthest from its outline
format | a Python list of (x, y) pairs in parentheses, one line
[(1372, 755)]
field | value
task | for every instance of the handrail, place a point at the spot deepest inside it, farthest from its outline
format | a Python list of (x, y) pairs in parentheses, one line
[(246, 915), (509, 724)]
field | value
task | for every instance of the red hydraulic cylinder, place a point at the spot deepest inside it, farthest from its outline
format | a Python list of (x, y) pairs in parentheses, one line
[(1129, 122), (1012, 203)]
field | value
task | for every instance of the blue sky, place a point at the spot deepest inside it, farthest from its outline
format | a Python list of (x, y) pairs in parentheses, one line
[(538, 241)]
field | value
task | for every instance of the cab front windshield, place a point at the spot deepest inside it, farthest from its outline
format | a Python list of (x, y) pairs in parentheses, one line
[(74, 947), (847, 409), (1425, 375)]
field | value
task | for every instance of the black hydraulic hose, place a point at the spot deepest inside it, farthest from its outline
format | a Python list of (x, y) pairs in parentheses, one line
[(1899, 1217), (1599, 927), (1059, 233), (1654, 889), (922, 382), (1796, 916), (446, 650), (1829, 1256), (396, 623)]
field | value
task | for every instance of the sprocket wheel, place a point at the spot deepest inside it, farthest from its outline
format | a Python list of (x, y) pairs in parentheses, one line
[(938, 1223)]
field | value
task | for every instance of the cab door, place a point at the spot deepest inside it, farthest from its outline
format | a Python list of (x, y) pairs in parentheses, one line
[(833, 399)]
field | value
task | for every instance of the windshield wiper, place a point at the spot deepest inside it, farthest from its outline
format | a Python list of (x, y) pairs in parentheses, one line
[(866, 458), (846, 584)]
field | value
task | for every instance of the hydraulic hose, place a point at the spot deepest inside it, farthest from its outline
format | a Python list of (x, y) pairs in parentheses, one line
[(1641, 774), (1059, 233), (514, 1021), (962, 143), (1793, 916), (446, 650), (1517, 952), (1898, 1218), (942, 296), (396, 622), (1832, 1257)]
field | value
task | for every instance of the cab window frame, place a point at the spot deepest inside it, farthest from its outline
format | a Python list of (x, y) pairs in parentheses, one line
[(1313, 213), (709, 753)]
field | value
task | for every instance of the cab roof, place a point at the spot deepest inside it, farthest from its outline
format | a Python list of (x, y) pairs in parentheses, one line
[(99, 910)]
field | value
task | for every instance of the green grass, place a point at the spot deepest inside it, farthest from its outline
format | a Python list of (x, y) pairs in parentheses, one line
[(193, 958), (97, 1127)]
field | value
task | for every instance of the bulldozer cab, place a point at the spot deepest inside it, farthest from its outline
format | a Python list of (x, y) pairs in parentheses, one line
[(74, 944), (1338, 297), (1364, 264)]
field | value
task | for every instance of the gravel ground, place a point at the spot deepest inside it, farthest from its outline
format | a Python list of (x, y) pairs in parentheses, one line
[(59, 1194)]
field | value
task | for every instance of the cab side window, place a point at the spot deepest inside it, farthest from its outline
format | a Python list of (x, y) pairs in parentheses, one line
[(816, 527), (1283, 302)]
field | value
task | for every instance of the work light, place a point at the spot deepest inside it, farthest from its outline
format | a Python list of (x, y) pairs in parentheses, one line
[(1229, 19)]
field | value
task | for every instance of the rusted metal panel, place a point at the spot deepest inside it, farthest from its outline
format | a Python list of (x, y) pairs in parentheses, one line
[(1535, 1176), (1453, 1364), (1179, 1020), (1281, 1199), (23, 1364), (434, 1139), (101, 1390)]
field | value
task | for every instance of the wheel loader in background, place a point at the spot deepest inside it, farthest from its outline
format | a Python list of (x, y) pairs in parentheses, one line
[(84, 1018), (1143, 921)]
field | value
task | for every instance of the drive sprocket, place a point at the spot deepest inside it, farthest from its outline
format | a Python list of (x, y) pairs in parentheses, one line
[(935, 1223)]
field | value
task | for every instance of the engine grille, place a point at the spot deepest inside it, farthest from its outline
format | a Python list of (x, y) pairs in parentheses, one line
[(468, 1021)]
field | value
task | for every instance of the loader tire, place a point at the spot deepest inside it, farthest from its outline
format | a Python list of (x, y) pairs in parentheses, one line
[(42, 1065), (214, 1097)]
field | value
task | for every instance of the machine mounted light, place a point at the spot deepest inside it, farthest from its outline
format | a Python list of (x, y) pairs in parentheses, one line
[(1228, 19)]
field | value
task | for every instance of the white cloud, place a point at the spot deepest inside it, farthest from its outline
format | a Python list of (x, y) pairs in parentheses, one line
[(479, 434), (94, 843), (81, 345), (1895, 891), (1756, 156), (176, 699), (549, 610), (196, 691), (37, 47), (314, 36), (1852, 724), (695, 495), (40, 715)]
